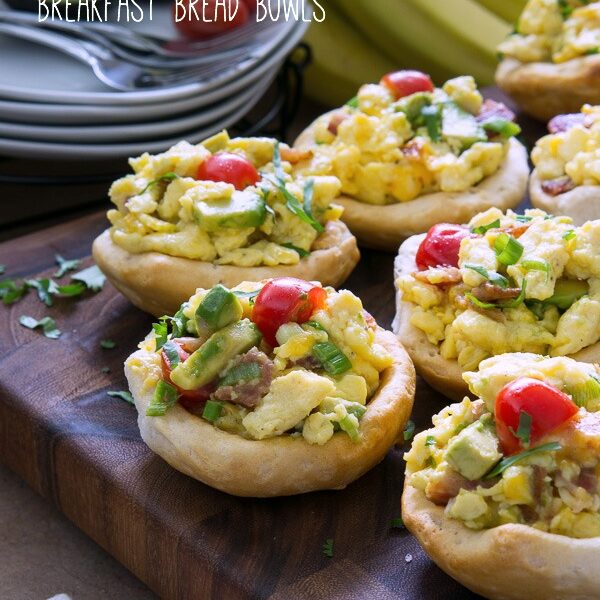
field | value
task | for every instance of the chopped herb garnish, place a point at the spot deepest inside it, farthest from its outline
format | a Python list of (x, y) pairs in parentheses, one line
[(353, 102), (301, 252), (108, 344), (333, 360), (484, 228), (171, 350), (71, 289), (583, 393), (430, 441), (409, 431), (241, 373), (46, 288), (165, 397), (161, 333), (397, 523), (212, 410), (535, 265), (503, 127), (125, 396), (47, 324), (166, 177), (432, 117), (524, 429), (508, 461), (523, 218), (65, 265), (309, 187), (92, 277), (328, 548), (492, 276), (591, 51), (315, 325), (250, 295), (10, 291), (569, 235), (508, 249)]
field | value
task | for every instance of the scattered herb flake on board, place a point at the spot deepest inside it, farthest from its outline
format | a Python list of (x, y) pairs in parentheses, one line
[(47, 324), (409, 431), (10, 291), (397, 523), (65, 265), (105, 370), (328, 548), (108, 344), (46, 288), (126, 396), (92, 277)]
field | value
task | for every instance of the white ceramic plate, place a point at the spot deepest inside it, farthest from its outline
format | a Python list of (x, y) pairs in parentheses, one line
[(48, 76), (137, 131)]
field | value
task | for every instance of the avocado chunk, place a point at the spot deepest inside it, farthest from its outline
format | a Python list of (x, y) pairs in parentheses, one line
[(245, 208), (459, 125), (205, 364), (219, 308), (474, 451), (567, 291), (413, 105)]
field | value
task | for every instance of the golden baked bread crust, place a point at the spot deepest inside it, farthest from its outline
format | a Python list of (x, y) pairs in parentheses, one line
[(582, 203), (282, 465), (158, 283), (384, 227), (545, 89), (510, 562), (440, 373)]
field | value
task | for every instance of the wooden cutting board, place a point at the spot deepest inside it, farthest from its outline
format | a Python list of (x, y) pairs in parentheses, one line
[(81, 449)]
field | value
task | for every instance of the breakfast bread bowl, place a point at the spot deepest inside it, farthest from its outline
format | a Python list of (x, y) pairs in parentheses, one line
[(284, 465), (383, 227), (158, 283)]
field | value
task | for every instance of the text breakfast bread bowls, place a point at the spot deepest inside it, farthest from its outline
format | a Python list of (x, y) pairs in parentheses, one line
[(503, 491), (271, 388), (502, 283), (223, 211), (410, 155), (550, 64)]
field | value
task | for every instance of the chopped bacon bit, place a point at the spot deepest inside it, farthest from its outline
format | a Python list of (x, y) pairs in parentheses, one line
[(516, 230), (295, 155), (561, 123), (335, 121), (443, 276), (587, 480), (490, 109), (488, 292), (413, 150), (555, 187), (441, 490)]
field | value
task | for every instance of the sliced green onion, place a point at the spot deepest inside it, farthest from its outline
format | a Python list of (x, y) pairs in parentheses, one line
[(430, 441), (243, 372), (108, 344), (212, 410), (508, 249), (569, 235), (165, 397), (353, 102), (409, 431), (509, 461), (432, 117), (523, 218), (536, 265), (591, 51), (172, 352), (491, 276), (315, 325), (524, 429), (518, 300), (125, 396), (479, 303), (301, 251), (503, 127), (309, 187), (166, 177), (585, 392), (348, 425), (334, 361), (484, 228), (219, 308)]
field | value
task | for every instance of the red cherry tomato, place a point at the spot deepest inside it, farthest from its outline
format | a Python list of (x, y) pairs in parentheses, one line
[(547, 406), (188, 398), (405, 83), (285, 300), (441, 245), (230, 168), (199, 20)]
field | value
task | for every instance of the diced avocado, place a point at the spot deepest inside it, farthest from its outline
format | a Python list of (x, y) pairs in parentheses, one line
[(205, 364), (413, 104), (245, 208), (217, 142), (459, 125), (567, 291), (474, 451), (218, 308)]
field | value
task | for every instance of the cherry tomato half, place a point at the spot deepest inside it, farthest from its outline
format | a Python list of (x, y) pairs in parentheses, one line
[(441, 245), (285, 300), (199, 20), (547, 406), (230, 168), (405, 83), (188, 398)]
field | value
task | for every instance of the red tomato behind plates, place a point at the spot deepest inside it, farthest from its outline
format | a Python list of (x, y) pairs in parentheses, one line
[(200, 21)]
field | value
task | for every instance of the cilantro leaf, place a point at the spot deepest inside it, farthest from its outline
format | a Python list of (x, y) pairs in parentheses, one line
[(65, 265), (2, 269), (47, 324), (71, 289), (108, 344), (409, 431), (430, 441), (46, 288), (92, 277), (161, 332), (126, 396), (105, 370), (328, 548), (166, 177), (524, 429), (10, 292), (508, 461)]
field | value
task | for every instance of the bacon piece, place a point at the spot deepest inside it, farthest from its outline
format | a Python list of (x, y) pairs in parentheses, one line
[(555, 187), (488, 292), (335, 121), (587, 480), (490, 109), (442, 489), (561, 123), (443, 276), (294, 155), (517, 230), (539, 474), (248, 393)]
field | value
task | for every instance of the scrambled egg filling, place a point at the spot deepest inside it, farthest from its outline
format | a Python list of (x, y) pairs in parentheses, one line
[(385, 151), (554, 491), (555, 31), (557, 311), (303, 399), (574, 153), (162, 207)]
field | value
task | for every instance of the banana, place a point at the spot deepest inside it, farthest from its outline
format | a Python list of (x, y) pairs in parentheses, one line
[(509, 10)]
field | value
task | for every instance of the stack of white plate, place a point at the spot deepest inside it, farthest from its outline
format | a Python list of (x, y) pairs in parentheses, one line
[(53, 107)]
